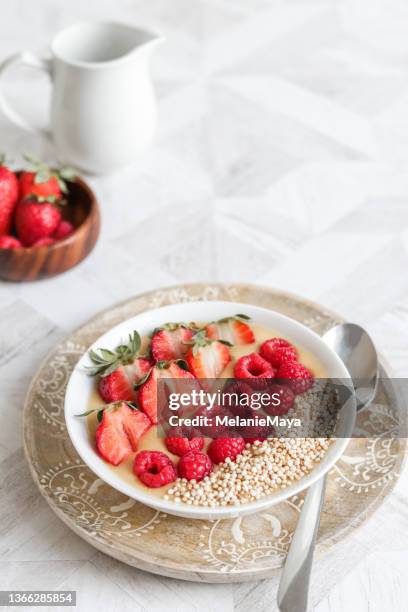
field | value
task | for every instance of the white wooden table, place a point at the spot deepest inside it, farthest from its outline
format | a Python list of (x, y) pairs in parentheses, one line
[(281, 159)]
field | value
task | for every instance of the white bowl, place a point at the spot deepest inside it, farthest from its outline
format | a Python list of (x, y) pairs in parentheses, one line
[(81, 386)]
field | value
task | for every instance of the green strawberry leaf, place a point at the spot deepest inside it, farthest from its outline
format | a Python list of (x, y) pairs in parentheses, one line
[(109, 370), (107, 361), (135, 342), (87, 413), (61, 184), (42, 176), (68, 173), (106, 354)]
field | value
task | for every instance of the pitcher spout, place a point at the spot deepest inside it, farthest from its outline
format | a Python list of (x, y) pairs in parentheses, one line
[(147, 40), (106, 42)]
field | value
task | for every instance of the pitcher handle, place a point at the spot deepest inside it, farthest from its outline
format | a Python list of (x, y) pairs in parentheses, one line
[(34, 61)]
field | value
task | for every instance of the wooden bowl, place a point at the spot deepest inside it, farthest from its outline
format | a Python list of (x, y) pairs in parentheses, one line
[(34, 263)]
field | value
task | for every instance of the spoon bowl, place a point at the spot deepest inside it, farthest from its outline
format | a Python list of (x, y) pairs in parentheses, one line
[(358, 353)]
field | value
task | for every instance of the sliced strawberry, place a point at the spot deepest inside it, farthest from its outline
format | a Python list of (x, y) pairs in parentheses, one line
[(171, 342), (120, 370), (147, 395), (138, 369), (135, 425), (148, 392), (207, 358), (111, 441), (119, 432), (116, 386), (232, 330), (120, 384)]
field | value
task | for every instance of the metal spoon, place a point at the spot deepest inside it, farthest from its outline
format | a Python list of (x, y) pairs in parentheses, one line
[(356, 349)]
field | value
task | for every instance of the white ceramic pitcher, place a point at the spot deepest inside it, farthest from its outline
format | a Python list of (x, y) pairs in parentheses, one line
[(103, 108)]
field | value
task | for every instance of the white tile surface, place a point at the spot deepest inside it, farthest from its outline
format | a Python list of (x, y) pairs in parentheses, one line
[(281, 158)]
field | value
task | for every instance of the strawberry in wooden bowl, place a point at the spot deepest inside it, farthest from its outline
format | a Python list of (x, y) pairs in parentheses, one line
[(49, 221)]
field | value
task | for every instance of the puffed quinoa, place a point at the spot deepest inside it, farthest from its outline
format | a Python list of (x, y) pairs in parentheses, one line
[(259, 470)]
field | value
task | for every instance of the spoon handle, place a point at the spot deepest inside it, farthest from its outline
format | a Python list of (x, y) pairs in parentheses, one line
[(294, 583)]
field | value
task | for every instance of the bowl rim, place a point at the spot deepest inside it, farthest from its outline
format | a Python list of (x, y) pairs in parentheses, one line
[(114, 335), (71, 238)]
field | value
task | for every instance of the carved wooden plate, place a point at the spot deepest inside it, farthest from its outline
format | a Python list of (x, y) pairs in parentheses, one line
[(248, 548)]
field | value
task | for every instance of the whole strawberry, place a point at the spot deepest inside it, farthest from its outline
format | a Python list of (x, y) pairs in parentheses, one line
[(8, 197), (43, 181), (46, 188), (35, 220)]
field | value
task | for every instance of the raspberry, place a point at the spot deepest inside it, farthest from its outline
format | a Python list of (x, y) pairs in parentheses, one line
[(254, 368), (194, 466), (286, 399), (222, 448), (212, 428), (236, 396), (181, 446), (154, 469), (257, 431), (236, 388), (283, 354), (277, 350), (252, 440), (300, 379)]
